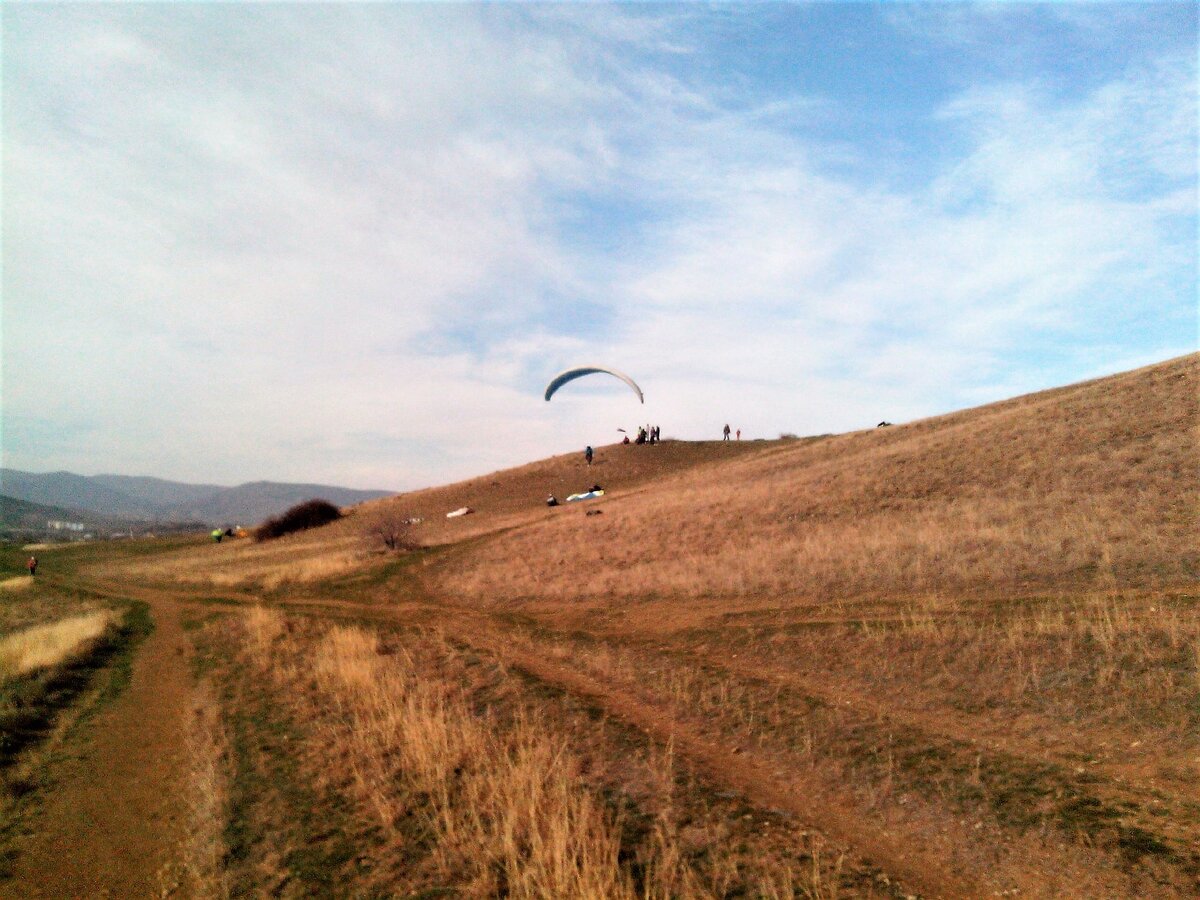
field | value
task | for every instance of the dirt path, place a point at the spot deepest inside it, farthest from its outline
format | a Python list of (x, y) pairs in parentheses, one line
[(726, 765), (928, 868), (112, 819), (760, 783)]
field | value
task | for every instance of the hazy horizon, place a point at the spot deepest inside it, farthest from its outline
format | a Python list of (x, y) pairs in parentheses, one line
[(201, 483)]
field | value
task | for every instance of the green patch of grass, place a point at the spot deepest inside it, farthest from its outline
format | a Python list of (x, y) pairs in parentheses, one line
[(276, 808), (69, 559), (12, 559), (204, 656)]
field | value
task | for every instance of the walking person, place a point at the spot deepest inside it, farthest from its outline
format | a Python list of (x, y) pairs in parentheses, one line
[(726, 432), (32, 566), (587, 454), (739, 434)]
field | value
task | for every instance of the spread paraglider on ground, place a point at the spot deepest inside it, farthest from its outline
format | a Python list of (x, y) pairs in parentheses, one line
[(587, 495), (579, 371)]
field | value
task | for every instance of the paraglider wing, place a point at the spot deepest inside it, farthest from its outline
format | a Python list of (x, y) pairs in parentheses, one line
[(578, 372)]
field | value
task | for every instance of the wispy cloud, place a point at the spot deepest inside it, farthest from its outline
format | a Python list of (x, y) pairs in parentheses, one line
[(351, 243)]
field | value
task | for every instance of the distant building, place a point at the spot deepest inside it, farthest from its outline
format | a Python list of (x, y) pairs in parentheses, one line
[(59, 525)]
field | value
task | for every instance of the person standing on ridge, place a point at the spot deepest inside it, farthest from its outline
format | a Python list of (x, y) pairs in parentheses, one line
[(587, 454), (32, 566), (739, 434), (726, 432)]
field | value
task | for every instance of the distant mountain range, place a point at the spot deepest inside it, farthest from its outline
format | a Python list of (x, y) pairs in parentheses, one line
[(142, 499), (23, 515)]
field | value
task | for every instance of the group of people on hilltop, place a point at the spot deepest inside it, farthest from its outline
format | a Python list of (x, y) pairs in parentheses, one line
[(650, 434), (725, 433)]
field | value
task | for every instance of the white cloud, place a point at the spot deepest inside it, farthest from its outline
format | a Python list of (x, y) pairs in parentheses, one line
[(905, 303), (350, 244)]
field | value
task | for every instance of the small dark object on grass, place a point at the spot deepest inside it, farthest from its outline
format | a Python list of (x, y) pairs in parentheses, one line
[(310, 514), (595, 512)]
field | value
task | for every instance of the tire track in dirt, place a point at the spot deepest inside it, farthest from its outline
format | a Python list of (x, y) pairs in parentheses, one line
[(805, 799), (760, 783), (110, 823), (945, 724), (951, 724), (1141, 813), (763, 784)]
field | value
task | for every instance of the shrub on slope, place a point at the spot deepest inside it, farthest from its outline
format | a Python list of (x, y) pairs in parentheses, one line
[(301, 517)]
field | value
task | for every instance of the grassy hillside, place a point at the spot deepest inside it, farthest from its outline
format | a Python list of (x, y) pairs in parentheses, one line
[(501, 500), (1088, 486), (958, 657), (20, 515)]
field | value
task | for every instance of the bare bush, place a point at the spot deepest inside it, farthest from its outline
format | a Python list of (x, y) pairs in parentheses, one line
[(391, 527)]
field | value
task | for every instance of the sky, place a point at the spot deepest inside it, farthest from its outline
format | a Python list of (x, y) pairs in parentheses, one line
[(351, 244)]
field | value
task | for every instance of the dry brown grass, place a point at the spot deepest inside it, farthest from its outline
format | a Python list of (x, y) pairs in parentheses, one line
[(506, 799), (505, 807), (502, 500), (300, 559), (921, 724), (1094, 485), (1103, 662), (976, 633), (47, 646), (199, 870)]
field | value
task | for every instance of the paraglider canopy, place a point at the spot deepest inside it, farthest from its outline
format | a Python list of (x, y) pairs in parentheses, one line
[(579, 371)]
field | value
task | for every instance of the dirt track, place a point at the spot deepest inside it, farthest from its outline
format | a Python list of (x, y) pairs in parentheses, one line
[(722, 765), (110, 824), (729, 767)]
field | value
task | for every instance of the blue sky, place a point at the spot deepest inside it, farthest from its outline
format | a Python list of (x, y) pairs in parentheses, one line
[(351, 243)]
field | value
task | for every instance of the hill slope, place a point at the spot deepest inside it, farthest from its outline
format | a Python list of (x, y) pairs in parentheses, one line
[(22, 515), (157, 499), (951, 658), (71, 491), (1093, 484)]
